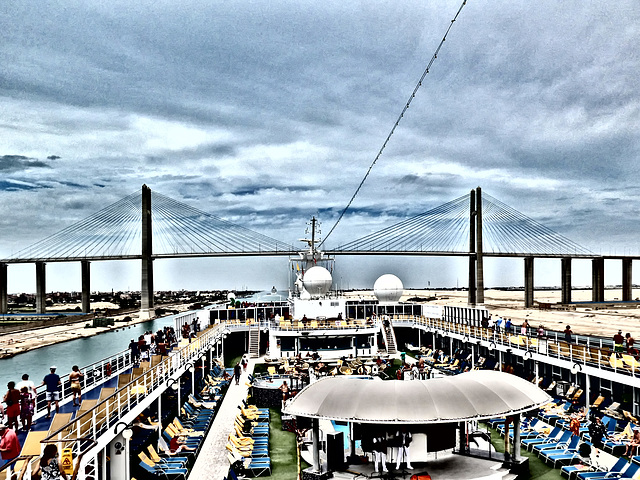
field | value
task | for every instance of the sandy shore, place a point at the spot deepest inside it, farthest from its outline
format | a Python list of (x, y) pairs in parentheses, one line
[(585, 320), (15, 343)]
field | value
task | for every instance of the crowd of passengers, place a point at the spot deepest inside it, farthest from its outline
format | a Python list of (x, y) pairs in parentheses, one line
[(159, 343)]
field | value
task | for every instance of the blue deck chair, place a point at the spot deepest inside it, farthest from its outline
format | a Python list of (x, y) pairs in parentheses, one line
[(252, 467), (567, 454), (617, 469), (541, 438), (559, 443), (628, 473), (548, 417), (263, 410), (164, 472)]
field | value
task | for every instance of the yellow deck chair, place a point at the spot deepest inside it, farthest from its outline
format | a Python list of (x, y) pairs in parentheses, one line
[(31, 448), (153, 455), (271, 370), (515, 340), (123, 379), (314, 324), (631, 362), (617, 363), (59, 421)]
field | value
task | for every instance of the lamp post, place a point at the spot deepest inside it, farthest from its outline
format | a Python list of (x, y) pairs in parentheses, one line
[(120, 461), (174, 383), (190, 366)]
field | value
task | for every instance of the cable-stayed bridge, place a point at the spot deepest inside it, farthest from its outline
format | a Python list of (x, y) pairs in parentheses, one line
[(448, 230), (147, 225), (178, 230)]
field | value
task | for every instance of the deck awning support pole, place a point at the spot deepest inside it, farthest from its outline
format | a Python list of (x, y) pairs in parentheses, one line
[(316, 445)]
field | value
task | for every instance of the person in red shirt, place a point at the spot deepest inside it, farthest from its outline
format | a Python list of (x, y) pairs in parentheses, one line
[(630, 341), (9, 444), (177, 444)]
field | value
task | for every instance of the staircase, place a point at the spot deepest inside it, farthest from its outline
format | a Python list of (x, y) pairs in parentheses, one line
[(390, 339), (254, 342)]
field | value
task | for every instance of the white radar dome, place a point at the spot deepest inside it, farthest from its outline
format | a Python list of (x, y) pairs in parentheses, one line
[(388, 288), (231, 296), (317, 281)]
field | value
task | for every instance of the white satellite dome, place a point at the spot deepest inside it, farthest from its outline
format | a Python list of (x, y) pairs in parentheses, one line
[(317, 281), (231, 296), (388, 288)]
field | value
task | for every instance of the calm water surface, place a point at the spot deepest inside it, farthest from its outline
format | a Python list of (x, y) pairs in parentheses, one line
[(81, 352)]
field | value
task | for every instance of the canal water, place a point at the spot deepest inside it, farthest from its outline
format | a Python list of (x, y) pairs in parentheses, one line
[(81, 352)]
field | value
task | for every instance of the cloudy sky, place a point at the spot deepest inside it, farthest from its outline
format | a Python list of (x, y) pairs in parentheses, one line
[(267, 112)]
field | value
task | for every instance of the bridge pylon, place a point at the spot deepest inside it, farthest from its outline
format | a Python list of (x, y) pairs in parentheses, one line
[(476, 262), (146, 289)]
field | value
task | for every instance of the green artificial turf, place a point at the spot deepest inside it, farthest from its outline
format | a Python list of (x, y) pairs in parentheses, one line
[(538, 470), (282, 450)]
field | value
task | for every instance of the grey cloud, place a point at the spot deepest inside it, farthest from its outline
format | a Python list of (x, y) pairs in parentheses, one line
[(18, 163)]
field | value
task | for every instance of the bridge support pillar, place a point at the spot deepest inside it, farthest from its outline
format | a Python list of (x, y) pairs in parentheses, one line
[(597, 280), (479, 258), (566, 279), (627, 282), (146, 293), (4, 302), (528, 282), (41, 287), (85, 266), (471, 296)]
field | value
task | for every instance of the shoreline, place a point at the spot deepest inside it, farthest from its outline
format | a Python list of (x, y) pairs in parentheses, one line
[(602, 319), (45, 336)]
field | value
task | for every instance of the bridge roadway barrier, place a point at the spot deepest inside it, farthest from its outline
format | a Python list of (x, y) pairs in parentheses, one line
[(91, 431)]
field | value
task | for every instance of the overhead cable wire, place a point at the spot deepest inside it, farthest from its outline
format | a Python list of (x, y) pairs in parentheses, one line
[(393, 129)]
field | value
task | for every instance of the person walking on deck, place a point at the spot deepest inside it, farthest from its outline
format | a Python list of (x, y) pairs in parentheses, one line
[(237, 371)]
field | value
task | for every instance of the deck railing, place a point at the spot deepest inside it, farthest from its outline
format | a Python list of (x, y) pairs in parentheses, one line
[(101, 416), (598, 353)]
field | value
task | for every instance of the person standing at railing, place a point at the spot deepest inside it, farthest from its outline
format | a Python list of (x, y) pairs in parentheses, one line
[(134, 348), (12, 400), (524, 327), (27, 402), (618, 341), (52, 381), (629, 341), (74, 377), (568, 334)]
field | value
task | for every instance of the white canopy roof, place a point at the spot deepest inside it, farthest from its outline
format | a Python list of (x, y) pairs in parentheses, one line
[(473, 395)]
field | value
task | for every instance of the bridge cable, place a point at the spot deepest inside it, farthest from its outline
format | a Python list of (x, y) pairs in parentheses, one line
[(404, 109)]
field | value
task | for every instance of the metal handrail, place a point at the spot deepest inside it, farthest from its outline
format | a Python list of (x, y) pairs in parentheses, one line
[(595, 354), (106, 414)]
